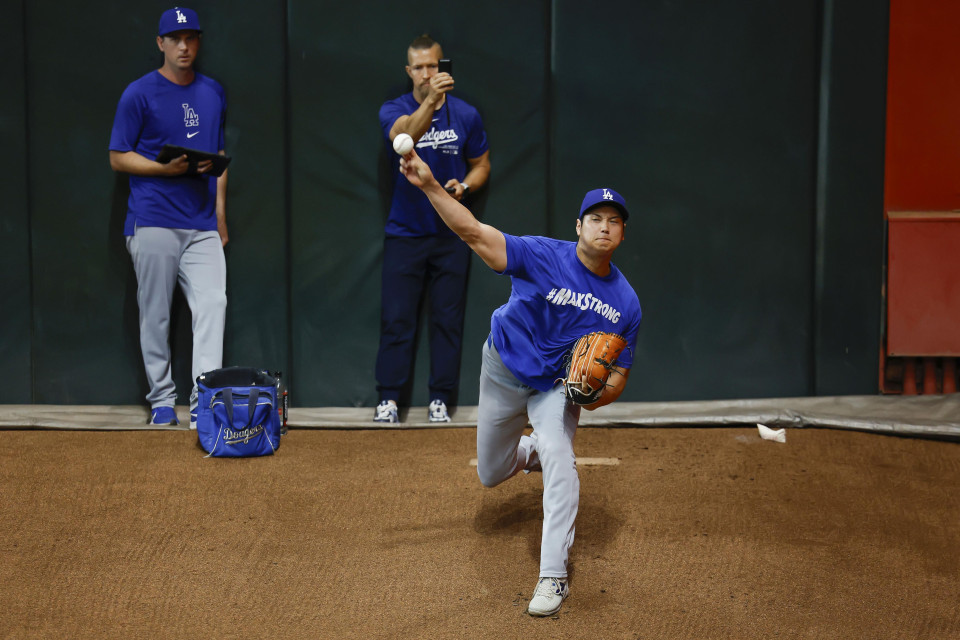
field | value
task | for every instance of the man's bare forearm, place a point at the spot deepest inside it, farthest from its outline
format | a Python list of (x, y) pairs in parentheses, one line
[(415, 124), (486, 241), (134, 163), (479, 171)]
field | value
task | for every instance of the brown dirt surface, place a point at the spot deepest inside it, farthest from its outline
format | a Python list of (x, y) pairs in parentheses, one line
[(697, 533)]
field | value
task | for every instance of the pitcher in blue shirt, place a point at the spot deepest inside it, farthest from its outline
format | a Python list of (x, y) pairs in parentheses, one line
[(560, 290)]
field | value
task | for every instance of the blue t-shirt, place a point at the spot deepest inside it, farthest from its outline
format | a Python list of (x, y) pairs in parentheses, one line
[(455, 135), (153, 112), (554, 300)]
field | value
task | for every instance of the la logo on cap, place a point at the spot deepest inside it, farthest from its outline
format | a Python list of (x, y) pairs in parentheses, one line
[(177, 19), (607, 195)]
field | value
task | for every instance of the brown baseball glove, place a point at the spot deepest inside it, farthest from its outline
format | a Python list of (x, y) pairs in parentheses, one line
[(591, 362)]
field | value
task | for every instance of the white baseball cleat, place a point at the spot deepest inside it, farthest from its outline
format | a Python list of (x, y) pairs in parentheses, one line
[(548, 596), (533, 457), (386, 412), (437, 412)]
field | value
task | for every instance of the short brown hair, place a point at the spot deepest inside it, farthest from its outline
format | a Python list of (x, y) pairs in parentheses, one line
[(423, 41)]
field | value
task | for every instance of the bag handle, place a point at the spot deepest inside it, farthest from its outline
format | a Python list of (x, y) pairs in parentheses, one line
[(251, 403)]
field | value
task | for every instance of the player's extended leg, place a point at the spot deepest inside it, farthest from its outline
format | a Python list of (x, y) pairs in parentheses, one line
[(156, 252), (401, 287), (502, 449), (554, 422), (203, 278), (448, 270)]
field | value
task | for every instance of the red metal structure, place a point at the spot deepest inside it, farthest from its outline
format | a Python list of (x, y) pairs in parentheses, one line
[(922, 200)]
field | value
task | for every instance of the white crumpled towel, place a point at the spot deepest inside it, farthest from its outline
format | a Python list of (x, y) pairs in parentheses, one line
[(777, 435)]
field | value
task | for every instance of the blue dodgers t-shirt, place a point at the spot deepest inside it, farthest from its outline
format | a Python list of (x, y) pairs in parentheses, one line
[(153, 112), (455, 135), (554, 300)]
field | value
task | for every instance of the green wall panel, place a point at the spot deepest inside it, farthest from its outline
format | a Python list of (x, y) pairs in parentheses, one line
[(850, 244), (82, 350), (14, 221), (249, 58), (86, 341), (336, 88), (704, 117), (747, 139)]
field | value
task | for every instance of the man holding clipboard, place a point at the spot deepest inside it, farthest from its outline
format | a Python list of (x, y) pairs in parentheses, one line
[(176, 217)]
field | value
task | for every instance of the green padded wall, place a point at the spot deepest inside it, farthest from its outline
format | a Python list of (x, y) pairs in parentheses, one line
[(850, 244), (337, 84), (15, 321), (83, 351), (86, 341), (249, 58), (705, 118), (747, 139)]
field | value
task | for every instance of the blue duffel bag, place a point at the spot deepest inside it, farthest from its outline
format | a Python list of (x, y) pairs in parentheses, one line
[(239, 412)]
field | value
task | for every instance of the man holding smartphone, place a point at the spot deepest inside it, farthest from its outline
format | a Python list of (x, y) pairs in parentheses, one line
[(420, 252)]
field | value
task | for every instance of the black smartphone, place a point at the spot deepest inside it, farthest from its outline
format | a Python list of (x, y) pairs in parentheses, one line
[(445, 66)]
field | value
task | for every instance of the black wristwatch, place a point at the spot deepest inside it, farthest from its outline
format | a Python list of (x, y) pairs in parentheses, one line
[(466, 187)]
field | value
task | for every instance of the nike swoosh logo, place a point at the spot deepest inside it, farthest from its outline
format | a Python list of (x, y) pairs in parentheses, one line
[(190, 135)]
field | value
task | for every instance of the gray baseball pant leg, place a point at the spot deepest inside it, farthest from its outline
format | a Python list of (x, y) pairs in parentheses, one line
[(203, 278), (503, 451), (162, 258)]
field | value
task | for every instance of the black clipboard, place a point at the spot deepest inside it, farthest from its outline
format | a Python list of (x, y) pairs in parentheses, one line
[(171, 151)]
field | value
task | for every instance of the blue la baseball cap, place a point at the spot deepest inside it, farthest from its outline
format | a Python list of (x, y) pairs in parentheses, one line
[(604, 196), (178, 19)]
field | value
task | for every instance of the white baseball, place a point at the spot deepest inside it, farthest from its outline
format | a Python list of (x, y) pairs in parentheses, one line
[(403, 144)]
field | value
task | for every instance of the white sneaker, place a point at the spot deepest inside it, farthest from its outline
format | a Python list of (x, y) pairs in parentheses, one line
[(386, 412), (438, 412), (548, 596)]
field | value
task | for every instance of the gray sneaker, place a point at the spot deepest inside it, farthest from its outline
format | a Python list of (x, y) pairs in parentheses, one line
[(548, 596), (437, 412)]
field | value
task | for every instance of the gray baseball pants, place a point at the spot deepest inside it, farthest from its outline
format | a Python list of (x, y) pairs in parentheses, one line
[(162, 258), (503, 451)]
